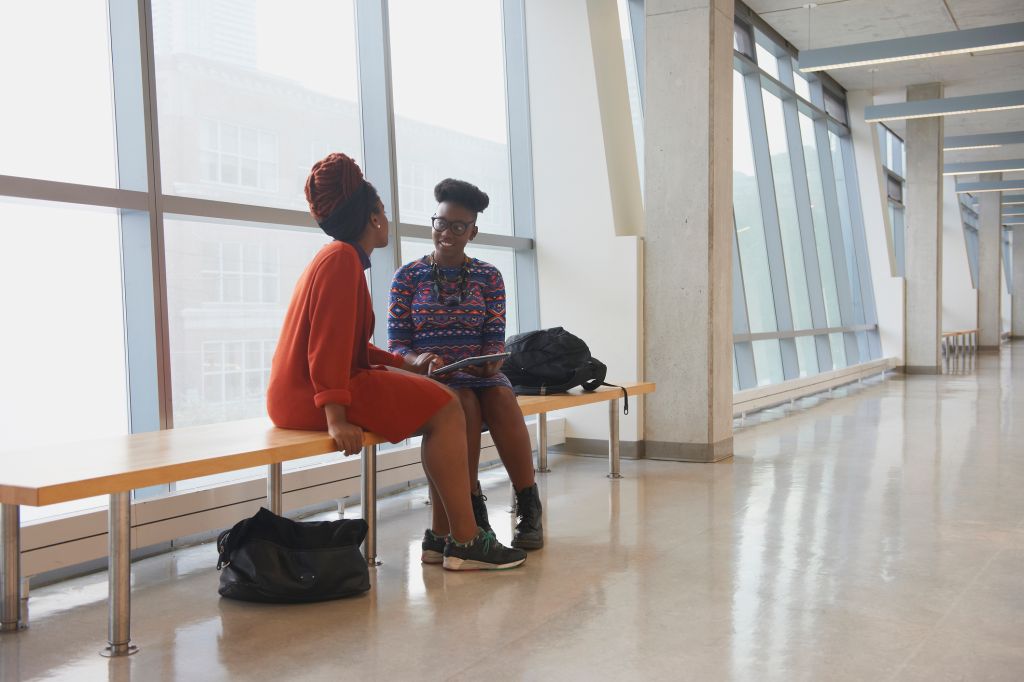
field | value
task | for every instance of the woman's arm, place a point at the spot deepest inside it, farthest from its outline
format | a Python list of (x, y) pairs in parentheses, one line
[(494, 321), (332, 327), (400, 325)]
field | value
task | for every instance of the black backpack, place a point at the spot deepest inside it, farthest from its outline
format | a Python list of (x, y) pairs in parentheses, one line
[(553, 361)]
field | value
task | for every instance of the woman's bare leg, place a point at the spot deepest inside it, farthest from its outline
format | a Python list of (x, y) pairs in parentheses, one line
[(500, 410), (471, 411), (444, 461)]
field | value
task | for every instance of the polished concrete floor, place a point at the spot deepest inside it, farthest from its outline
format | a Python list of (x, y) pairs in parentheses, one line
[(875, 534)]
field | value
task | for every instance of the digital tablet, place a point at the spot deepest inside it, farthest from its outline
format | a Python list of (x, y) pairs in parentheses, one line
[(470, 362)]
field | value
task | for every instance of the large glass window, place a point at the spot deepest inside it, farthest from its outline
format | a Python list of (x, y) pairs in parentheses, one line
[(796, 170), (252, 93), (443, 130), (57, 119)]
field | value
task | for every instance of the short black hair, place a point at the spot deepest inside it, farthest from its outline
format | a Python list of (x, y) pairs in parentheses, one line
[(462, 193)]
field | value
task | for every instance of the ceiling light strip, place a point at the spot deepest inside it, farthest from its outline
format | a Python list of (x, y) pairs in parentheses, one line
[(982, 141), (947, 106), (971, 167), (992, 186), (915, 47)]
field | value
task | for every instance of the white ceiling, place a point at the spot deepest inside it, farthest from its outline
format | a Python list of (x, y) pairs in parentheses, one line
[(843, 22)]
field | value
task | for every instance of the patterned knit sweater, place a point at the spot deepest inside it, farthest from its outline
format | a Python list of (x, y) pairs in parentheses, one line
[(418, 322)]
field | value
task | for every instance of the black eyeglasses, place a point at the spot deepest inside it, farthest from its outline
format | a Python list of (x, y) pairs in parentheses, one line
[(456, 227)]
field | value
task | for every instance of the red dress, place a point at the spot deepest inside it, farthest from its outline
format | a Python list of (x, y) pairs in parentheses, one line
[(325, 356)]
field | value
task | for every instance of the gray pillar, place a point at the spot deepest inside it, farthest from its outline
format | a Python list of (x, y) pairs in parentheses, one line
[(923, 242), (990, 245), (1017, 295), (688, 250)]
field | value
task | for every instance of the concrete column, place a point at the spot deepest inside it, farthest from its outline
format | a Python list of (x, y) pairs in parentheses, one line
[(990, 244), (688, 270), (1017, 300), (923, 256)]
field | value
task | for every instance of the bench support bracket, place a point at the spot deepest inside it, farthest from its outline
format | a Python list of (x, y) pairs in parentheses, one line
[(613, 439), (275, 488), (369, 465), (10, 547), (542, 443), (119, 578)]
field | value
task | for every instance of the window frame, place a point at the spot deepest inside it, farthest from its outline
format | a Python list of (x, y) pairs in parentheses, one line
[(143, 206)]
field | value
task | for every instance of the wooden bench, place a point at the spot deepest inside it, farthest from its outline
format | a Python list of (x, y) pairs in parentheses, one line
[(961, 341), (116, 466)]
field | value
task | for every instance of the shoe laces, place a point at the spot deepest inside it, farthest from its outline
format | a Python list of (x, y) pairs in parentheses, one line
[(488, 539)]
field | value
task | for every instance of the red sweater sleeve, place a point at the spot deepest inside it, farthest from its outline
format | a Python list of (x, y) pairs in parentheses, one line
[(332, 327), (379, 356)]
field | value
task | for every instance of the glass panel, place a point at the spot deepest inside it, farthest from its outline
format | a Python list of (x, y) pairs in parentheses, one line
[(57, 121), (65, 331), (838, 350), (251, 94), (807, 355), (457, 132), (757, 283), (792, 245), (223, 325), (499, 257), (821, 235), (768, 62), (800, 84), (768, 362), (633, 85)]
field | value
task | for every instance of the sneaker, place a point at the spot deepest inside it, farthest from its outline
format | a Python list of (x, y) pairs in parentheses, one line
[(482, 553), (433, 548), (480, 509), (529, 532)]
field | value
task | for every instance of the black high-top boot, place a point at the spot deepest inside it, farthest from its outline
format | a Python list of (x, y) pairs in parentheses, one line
[(479, 501), (529, 532)]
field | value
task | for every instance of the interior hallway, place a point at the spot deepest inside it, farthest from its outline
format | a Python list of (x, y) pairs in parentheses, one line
[(875, 535)]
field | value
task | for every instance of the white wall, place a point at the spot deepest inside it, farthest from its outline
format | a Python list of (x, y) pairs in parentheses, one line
[(588, 276), (889, 290), (959, 297)]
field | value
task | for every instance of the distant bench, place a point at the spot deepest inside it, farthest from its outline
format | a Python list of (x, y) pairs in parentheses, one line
[(116, 466), (961, 341)]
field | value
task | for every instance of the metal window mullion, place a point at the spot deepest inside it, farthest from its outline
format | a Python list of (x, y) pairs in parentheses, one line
[(520, 151), (746, 371), (808, 241), (836, 240), (867, 290), (377, 118), (770, 223), (73, 193)]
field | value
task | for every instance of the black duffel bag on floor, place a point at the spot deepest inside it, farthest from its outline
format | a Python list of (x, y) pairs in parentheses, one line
[(268, 558)]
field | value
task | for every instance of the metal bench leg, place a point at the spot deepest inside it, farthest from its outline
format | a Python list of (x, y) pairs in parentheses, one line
[(613, 439), (10, 543), (274, 488), (119, 574), (369, 464), (542, 444)]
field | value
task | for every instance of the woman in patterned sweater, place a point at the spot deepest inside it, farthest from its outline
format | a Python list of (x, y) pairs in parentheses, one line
[(445, 307)]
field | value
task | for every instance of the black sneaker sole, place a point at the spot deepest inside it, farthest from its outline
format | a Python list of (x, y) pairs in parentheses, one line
[(528, 544)]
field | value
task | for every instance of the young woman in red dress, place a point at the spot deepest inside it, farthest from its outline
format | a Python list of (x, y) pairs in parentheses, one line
[(326, 375)]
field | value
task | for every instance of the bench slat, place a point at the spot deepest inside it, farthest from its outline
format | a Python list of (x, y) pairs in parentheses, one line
[(61, 473)]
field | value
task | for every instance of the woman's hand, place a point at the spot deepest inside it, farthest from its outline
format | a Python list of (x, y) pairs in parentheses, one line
[(424, 363), (486, 370), (347, 436)]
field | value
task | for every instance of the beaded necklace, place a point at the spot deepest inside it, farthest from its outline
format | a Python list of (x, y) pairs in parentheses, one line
[(441, 283)]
